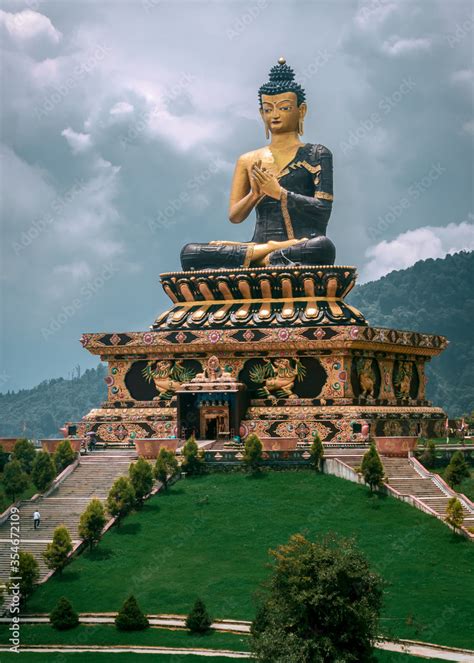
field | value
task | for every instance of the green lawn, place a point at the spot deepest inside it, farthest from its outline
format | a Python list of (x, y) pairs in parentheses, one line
[(210, 536), (44, 634)]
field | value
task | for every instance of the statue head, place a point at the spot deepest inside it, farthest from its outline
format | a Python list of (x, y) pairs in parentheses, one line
[(282, 101)]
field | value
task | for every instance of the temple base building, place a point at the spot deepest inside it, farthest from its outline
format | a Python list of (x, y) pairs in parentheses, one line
[(274, 351)]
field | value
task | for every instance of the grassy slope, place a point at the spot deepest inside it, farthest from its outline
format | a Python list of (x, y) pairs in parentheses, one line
[(178, 548)]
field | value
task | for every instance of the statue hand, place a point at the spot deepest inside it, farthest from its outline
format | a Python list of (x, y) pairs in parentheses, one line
[(267, 182), (255, 186)]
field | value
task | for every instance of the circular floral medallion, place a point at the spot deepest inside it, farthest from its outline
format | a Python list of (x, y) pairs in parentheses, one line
[(214, 336)]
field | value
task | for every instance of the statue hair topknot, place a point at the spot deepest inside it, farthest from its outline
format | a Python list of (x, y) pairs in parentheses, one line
[(282, 79)]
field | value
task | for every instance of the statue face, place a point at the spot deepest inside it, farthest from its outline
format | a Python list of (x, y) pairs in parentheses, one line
[(281, 112)]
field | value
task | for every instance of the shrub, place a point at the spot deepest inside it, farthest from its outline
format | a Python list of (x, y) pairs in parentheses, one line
[(43, 471), (57, 552), (63, 616), (15, 481), (141, 478), (454, 513), (193, 463), (121, 499), (372, 468), (198, 620), (428, 457), (457, 470), (92, 522), (25, 452), (317, 452), (166, 466), (253, 452), (28, 572), (130, 617), (64, 455)]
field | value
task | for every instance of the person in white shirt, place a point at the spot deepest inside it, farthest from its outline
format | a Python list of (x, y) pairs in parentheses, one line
[(36, 519)]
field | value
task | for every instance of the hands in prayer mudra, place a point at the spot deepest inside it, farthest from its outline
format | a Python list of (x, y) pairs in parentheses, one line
[(289, 183)]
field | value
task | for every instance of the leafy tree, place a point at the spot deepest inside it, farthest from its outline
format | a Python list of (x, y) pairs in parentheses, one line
[(130, 617), (92, 522), (428, 457), (28, 572), (166, 466), (15, 481), (24, 451), (317, 452), (454, 513), (141, 478), (321, 603), (63, 616), (64, 455), (193, 458), (457, 470), (57, 552), (372, 468), (121, 499), (198, 620), (4, 458), (253, 452), (43, 470)]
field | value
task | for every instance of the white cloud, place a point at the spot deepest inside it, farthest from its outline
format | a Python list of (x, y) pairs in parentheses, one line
[(419, 244), (464, 77), (371, 16), (27, 25), (78, 142), (396, 46), (121, 108), (468, 127)]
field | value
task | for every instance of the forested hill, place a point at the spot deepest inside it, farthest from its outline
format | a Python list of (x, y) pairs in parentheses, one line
[(41, 411), (433, 296)]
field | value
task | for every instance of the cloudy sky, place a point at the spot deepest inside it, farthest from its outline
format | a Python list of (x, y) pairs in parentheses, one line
[(122, 121)]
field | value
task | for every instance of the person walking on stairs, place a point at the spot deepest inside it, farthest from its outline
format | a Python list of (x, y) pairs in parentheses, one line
[(36, 519)]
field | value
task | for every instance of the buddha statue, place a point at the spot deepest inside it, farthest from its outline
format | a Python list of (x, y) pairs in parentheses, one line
[(288, 182)]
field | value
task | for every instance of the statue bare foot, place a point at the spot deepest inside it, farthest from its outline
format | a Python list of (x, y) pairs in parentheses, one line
[(261, 251)]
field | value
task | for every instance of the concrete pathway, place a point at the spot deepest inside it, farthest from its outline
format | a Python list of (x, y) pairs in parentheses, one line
[(412, 647)]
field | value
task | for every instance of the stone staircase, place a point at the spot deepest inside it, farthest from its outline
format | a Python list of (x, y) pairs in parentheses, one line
[(93, 477), (408, 478)]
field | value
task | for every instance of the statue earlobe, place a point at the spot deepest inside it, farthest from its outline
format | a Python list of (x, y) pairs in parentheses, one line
[(267, 132), (302, 109)]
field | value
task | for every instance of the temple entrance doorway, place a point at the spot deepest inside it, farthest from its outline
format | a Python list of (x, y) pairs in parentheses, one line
[(214, 421)]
